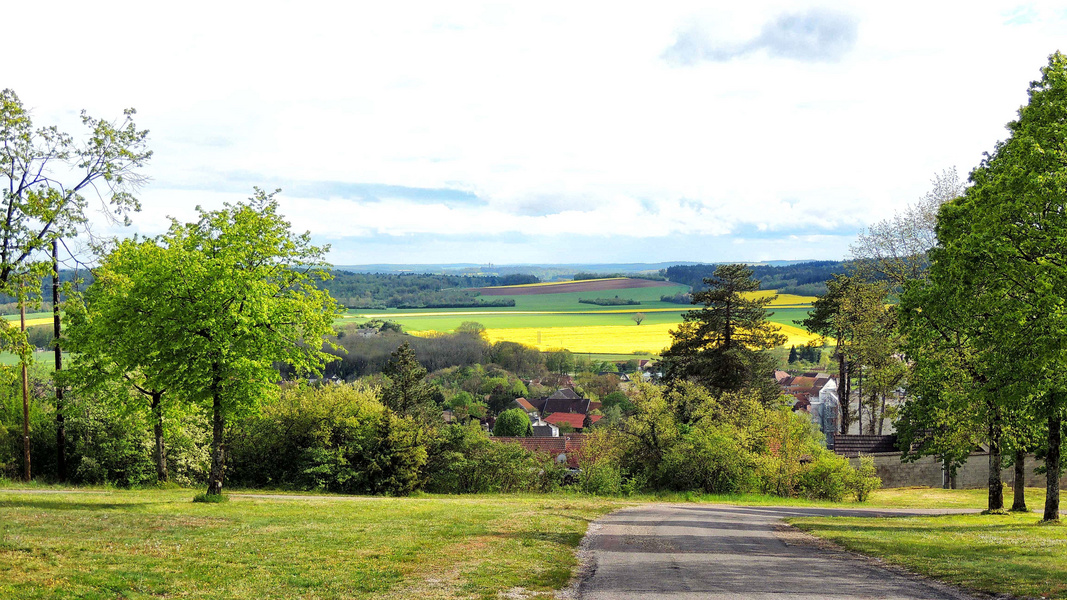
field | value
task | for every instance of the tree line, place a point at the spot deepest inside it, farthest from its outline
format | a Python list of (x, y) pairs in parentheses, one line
[(803, 279)]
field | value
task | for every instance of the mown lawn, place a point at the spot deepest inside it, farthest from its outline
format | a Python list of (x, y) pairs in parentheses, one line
[(97, 543), (998, 554), (154, 543)]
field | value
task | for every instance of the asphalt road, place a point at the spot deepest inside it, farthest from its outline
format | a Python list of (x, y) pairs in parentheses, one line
[(718, 552)]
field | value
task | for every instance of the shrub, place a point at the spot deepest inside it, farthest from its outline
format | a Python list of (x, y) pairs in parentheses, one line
[(864, 480), (513, 423), (709, 459), (463, 460), (826, 477), (338, 438), (211, 498)]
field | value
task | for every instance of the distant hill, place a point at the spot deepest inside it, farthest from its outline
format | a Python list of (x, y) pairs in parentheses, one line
[(801, 278)]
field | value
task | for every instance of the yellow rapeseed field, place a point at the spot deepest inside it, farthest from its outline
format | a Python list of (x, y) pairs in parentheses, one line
[(612, 339)]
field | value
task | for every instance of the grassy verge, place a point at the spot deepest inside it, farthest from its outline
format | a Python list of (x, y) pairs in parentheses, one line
[(134, 544), (998, 554)]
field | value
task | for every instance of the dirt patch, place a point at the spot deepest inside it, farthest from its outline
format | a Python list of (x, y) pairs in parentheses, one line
[(593, 285)]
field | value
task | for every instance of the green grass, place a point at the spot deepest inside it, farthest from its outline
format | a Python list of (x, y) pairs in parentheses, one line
[(106, 543), (449, 322), (29, 316), (153, 543), (447, 319), (997, 554)]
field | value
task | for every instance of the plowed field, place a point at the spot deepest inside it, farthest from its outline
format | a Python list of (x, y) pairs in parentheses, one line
[(588, 285)]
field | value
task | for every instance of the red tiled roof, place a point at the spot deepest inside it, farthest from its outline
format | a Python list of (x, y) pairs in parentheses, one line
[(525, 404), (575, 420), (571, 445)]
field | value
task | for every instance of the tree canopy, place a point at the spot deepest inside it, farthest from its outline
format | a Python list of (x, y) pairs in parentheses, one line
[(999, 271), (207, 309), (721, 344)]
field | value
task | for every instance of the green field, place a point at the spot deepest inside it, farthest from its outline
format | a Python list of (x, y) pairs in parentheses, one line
[(993, 554), (576, 314)]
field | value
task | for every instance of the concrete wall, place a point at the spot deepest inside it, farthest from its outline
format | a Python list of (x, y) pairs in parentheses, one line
[(927, 472)]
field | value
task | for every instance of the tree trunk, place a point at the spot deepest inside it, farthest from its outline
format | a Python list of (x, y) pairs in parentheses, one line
[(218, 464), (159, 453), (996, 464), (881, 415), (842, 388), (1052, 464), (25, 395), (859, 404), (61, 427), (1018, 484)]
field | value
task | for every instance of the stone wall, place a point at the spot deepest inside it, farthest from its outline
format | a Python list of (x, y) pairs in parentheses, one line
[(927, 472)]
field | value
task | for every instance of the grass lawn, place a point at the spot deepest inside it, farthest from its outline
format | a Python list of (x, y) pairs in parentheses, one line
[(1011, 554), (150, 543)]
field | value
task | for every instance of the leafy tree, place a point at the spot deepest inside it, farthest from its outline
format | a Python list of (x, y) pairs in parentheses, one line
[(1000, 250), (638, 318), (897, 250), (513, 423), (559, 361), (49, 173), (214, 304), (722, 345), (617, 399), (855, 315)]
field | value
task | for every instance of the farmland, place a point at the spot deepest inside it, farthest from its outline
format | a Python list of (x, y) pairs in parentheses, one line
[(550, 316)]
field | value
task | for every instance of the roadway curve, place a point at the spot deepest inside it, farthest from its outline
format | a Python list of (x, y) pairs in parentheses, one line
[(690, 551)]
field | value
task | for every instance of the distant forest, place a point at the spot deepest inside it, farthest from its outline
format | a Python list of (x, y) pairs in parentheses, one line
[(429, 290), (803, 279), (418, 290)]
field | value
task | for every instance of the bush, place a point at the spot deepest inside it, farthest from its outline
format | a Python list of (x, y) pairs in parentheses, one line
[(864, 480), (709, 459), (338, 438), (211, 498), (513, 423), (463, 460), (826, 477)]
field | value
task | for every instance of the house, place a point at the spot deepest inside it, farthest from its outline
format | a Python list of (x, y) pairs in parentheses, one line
[(530, 410), (565, 449), (564, 400), (543, 429), (816, 394), (575, 420)]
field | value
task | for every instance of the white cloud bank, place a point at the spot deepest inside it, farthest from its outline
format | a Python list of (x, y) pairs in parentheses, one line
[(533, 125)]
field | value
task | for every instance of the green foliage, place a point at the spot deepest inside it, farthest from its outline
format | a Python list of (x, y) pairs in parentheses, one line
[(407, 391), (517, 358), (463, 460), (722, 344), (691, 440), (559, 361), (338, 438), (865, 480), (204, 497), (207, 309), (513, 423), (985, 330)]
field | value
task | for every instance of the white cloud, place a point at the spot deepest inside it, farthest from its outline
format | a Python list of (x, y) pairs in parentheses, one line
[(563, 118)]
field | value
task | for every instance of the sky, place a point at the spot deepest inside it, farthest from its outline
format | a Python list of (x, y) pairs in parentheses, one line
[(542, 132)]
